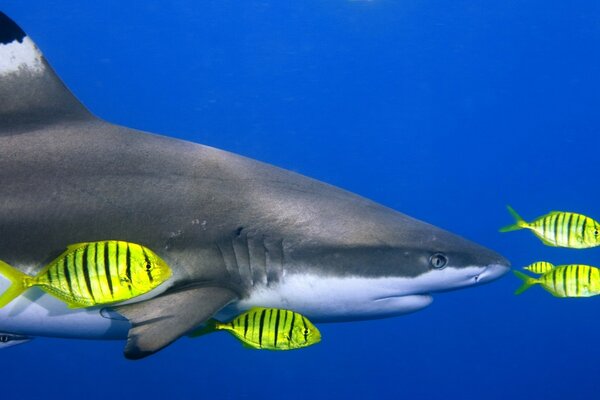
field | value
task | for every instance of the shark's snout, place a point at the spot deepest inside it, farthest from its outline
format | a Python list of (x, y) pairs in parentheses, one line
[(493, 271)]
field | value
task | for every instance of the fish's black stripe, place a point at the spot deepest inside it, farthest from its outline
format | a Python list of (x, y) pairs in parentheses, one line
[(118, 264), (147, 266), (261, 326), (305, 330), (577, 280), (107, 269), (583, 228), (97, 266), (565, 280), (49, 274), (254, 325), (589, 280), (86, 273), (276, 327), (127, 262), (555, 229), (66, 274), (568, 225), (547, 226), (561, 228), (246, 320), (291, 327), (576, 228)]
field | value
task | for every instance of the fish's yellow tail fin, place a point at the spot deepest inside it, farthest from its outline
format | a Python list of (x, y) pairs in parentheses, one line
[(528, 282), (209, 327), (519, 222), (17, 280)]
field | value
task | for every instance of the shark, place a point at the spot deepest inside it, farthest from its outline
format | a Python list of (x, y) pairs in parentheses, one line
[(237, 233)]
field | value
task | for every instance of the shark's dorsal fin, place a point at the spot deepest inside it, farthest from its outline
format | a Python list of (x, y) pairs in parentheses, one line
[(30, 92), (157, 322)]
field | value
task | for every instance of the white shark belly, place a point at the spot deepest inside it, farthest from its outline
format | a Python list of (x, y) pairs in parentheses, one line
[(330, 299), (322, 299), (36, 313), (39, 314)]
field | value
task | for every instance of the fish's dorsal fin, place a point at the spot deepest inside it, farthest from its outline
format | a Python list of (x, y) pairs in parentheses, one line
[(158, 322), (555, 212), (75, 246), (30, 91), (58, 255)]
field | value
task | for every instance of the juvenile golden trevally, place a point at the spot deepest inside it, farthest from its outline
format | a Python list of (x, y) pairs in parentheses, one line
[(268, 328), (560, 229), (94, 273), (540, 267), (572, 280)]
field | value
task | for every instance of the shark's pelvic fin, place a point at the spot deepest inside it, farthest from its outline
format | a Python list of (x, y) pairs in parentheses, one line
[(157, 322), (30, 92)]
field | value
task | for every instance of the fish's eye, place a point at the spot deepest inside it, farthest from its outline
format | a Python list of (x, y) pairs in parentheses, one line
[(438, 260), (148, 266), (596, 232)]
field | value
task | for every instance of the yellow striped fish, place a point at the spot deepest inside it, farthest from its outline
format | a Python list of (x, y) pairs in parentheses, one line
[(560, 229), (573, 280), (94, 273), (540, 267), (267, 328)]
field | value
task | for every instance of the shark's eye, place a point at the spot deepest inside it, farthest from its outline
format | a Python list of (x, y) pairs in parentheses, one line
[(438, 260)]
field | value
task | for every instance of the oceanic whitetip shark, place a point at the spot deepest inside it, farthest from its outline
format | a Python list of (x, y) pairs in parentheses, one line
[(236, 232)]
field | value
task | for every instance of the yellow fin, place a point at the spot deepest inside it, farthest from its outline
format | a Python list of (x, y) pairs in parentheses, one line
[(519, 222), (76, 246), (528, 281), (18, 285), (70, 248), (247, 345)]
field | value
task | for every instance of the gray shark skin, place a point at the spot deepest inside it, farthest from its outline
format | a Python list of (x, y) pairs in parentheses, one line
[(236, 232)]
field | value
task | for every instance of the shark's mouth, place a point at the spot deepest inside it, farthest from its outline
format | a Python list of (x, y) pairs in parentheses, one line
[(491, 273)]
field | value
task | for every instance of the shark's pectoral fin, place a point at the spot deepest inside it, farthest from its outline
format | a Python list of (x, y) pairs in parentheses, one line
[(157, 322)]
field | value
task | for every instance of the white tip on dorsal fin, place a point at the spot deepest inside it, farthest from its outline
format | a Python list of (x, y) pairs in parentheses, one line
[(30, 91)]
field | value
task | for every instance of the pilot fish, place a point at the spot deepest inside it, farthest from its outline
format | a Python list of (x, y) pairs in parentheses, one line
[(94, 273), (539, 267), (560, 229), (267, 328), (573, 280)]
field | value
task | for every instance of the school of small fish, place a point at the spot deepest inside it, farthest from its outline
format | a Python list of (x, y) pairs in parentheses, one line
[(561, 229)]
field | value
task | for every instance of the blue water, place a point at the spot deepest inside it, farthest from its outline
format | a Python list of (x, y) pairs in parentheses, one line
[(444, 110)]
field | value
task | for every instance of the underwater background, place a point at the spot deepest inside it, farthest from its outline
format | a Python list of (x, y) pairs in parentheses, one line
[(444, 110)]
